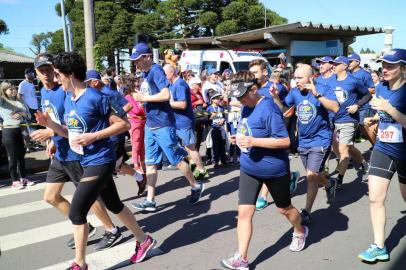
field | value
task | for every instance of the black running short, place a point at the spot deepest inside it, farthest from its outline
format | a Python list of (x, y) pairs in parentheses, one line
[(250, 186), (64, 171), (386, 166)]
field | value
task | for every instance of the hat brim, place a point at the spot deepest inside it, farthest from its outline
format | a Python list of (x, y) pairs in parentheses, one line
[(43, 63), (337, 62), (136, 56), (215, 95), (349, 59), (389, 61), (92, 79)]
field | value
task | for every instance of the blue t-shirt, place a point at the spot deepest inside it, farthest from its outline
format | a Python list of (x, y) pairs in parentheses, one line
[(314, 128), (220, 115), (282, 91), (265, 120), (90, 113), (347, 92), (180, 91), (397, 98), (328, 82), (116, 100), (159, 114), (366, 79), (52, 102)]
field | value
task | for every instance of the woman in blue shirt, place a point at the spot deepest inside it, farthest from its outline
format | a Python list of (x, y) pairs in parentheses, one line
[(263, 140), (389, 153), (90, 120)]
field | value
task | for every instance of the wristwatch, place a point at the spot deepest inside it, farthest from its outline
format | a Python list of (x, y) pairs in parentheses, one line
[(318, 96)]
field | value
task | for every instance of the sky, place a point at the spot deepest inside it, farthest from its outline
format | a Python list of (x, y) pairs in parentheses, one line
[(27, 17)]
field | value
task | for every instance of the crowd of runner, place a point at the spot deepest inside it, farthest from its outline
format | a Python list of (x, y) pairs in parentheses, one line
[(252, 118)]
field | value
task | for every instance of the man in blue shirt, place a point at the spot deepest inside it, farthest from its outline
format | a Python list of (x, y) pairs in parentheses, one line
[(181, 104), (160, 131), (65, 163), (312, 104), (347, 89), (358, 72)]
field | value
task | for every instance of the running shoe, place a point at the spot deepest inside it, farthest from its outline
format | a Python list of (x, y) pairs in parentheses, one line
[(331, 191), (299, 240), (169, 168), (365, 170), (201, 175), (92, 232), (142, 249), (306, 217), (196, 193), (339, 185), (75, 266), (27, 182), (145, 205), (293, 181), (235, 262), (108, 240), (374, 253), (261, 203), (17, 185)]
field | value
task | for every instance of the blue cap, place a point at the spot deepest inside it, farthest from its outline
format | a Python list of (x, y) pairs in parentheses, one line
[(211, 71), (324, 59), (394, 56), (92, 75), (354, 57), (139, 50), (340, 60)]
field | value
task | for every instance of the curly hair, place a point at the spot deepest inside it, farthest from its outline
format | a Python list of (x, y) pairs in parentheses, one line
[(245, 76), (71, 63)]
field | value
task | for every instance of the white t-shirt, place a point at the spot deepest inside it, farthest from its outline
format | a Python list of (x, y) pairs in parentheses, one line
[(27, 90)]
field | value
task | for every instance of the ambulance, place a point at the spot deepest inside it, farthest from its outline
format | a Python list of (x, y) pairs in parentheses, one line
[(198, 60)]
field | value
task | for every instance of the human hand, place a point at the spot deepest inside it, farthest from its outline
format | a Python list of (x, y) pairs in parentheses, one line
[(245, 141), (380, 104), (41, 135), (352, 109), (50, 150), (43, 118), (84, 139)]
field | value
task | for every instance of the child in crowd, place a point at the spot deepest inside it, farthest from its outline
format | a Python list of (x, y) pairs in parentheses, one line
[(218, 132)]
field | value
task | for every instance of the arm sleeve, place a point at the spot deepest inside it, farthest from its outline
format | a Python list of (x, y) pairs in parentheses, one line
[(364, 99)]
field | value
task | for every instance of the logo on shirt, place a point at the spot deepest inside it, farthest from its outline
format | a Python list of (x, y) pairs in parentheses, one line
[(385, 117), (145, 89), (306, 112), (75, 123), (341, 94)]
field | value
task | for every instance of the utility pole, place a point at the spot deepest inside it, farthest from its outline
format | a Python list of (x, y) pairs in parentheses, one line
[(70, 34), (65, 34), (89, 32)]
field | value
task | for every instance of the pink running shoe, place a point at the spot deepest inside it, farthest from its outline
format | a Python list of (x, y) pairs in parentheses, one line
[(17, 185), (75, 266), (26, 182), (142, 249)]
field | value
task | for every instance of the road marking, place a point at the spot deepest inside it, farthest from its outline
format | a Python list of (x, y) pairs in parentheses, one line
[(41, 234), (25, 208), (6, 191)]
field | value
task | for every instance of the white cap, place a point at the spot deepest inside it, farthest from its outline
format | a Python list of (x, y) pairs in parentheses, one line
[(194, 80)]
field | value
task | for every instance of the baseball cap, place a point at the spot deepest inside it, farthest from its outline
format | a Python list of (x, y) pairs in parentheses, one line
[(340, 60), (28, 71), (216, 94), (238, 89), (324, 59), (194, 80), (139, 50), (92, 75), (394, 56), (354, 57), (43, 59), (211, 71)]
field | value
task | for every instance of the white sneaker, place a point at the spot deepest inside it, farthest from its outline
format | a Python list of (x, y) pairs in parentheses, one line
[(299, 240), (26, 182), (17, 185)]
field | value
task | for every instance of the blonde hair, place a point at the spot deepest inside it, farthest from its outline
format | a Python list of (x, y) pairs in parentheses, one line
[(3, 87)]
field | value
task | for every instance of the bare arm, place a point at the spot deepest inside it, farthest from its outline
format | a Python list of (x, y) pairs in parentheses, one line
[(271, 143), (178, 104), (162, 96), (329, 104)]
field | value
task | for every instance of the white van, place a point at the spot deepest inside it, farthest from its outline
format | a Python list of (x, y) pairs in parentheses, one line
[(198, 60)]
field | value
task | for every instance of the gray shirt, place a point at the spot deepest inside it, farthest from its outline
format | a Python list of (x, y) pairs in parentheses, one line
[(8, 108)]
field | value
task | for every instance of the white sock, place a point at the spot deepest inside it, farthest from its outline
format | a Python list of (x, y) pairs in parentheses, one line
[(114, 230)]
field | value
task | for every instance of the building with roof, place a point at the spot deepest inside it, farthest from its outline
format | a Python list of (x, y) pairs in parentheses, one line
[(12, 65), (299, 41)]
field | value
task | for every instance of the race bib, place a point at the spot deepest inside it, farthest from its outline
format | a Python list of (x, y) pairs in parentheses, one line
[(75, 147), (390, 132), (242, 130), (340, 94), (144, 88)]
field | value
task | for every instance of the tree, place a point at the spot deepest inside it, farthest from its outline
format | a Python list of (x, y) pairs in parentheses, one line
[(3, 27), (41, 41)]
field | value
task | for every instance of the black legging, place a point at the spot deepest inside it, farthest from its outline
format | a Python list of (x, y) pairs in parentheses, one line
[(96, 180), (12, 140), (219, 146)]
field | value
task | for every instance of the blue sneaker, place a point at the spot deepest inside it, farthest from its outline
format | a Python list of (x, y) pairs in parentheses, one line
[(261, 203), (145, 205), (374, 253), (293, 181), (196, 193)]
